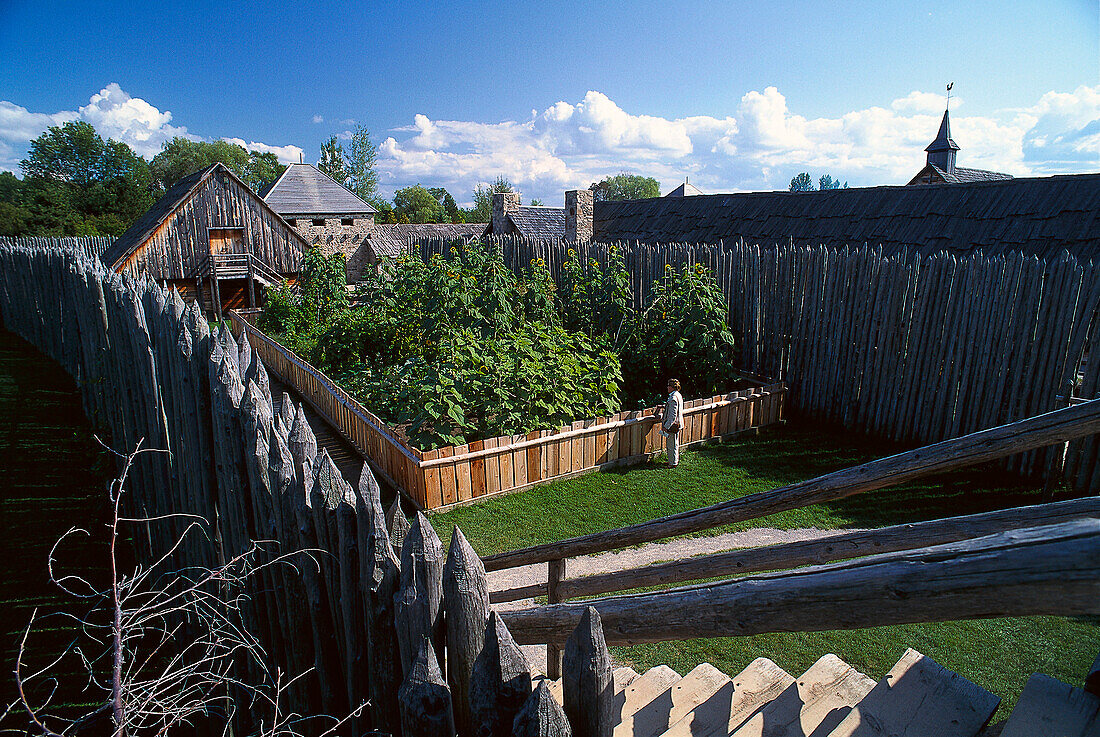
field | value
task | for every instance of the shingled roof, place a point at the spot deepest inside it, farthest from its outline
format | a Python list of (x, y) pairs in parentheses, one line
[(144, 226), (303, 191), (393, 239), (1035, 215), (536, 222)]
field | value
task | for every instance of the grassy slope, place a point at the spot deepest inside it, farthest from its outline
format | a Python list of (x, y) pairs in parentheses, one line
[(997, 654)]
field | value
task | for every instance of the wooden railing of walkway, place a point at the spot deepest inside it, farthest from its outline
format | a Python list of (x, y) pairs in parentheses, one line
[(457, 474), (665, 618)]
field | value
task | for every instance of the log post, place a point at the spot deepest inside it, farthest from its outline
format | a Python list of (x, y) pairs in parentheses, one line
[(398, 525), (382, 573), (541, 716), (500, 682), (419, 602), (424, 699), (587, 680), (466, 612), (555, 574)]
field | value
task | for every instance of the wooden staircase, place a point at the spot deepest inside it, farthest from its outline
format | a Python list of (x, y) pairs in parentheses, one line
[(917, 698)]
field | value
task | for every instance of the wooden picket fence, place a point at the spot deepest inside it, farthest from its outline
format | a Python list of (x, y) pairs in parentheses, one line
[(91, 246), (456, 474), (914, 348)]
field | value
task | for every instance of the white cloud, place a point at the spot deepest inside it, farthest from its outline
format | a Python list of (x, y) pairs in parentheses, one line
[(318, 119), (760, 145), (285, 154), (115, 114)]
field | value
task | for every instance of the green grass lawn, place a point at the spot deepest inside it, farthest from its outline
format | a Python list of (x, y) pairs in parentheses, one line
[(997, 654)]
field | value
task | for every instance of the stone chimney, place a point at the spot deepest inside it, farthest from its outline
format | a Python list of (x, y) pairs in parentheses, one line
[(503, 203), (578, 215)]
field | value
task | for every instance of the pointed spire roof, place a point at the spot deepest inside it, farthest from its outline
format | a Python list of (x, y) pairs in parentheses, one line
[(943, 140), (685, 190)]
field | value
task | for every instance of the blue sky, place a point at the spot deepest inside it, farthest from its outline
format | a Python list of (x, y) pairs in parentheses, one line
[(739, 95)]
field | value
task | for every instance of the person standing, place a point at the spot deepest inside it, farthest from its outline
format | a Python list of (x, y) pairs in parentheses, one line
[(672, 422)]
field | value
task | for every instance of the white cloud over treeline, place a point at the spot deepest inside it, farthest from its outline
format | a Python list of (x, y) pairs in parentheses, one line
[(760, 144), (115, 114)]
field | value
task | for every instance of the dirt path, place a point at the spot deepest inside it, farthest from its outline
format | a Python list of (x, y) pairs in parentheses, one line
[(644, 555)]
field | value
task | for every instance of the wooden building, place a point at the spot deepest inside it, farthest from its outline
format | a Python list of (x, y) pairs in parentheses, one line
[(212, 238)]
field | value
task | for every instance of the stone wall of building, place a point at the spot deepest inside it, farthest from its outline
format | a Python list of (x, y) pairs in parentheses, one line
[(318, 230), (504, 203), (579, 215)]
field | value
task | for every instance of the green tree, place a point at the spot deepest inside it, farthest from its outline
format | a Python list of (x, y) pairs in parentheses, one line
[(451, 213), (827, 182), (624, 186), (181, 157), (333, 162), (418, 204), (362, 178), (482, 210), (15, 216), (802, 183), (78, 184)]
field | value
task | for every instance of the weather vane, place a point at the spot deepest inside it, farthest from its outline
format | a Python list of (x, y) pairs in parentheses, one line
[(949, 86)]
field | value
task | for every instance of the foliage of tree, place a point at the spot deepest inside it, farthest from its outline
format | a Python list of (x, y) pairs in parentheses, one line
[(75, 183), (451, 213), (333, 162), (482, 211), (182, 156), (625, 186), (362, 177), (418, 205), (804, 183)]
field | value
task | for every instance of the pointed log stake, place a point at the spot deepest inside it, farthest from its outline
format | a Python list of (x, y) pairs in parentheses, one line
[(379, 591), (586, 679), (399, 526), (466, 607), (244, 354), (419, 602), (302, 443), (424, 698), (541, 716), (500, 682), (286, 412)]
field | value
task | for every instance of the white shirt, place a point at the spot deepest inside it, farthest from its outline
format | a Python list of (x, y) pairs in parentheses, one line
[(674, 411)]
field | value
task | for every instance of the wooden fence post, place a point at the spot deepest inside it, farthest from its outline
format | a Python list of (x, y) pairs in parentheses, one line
[(541, 716), (424, 699), (398, 526), (500, 682), (555, 570), (466, 611), (419, 602), (587, 679)]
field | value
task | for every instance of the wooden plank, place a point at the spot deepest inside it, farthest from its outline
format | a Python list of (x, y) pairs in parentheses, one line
[(447, 483), (492, 467), (735, 702), (1050, 707), (507, 477), (477, 471), (918, 697)]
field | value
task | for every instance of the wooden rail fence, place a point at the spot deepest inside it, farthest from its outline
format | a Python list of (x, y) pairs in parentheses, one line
[(913, 347), (456, 474)]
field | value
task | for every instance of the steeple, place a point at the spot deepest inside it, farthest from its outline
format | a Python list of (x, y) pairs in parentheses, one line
[(941, 152)]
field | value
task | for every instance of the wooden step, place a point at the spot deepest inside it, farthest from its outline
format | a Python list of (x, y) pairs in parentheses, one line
[(920, 697), (735, 702), (674, 703), (623, 677), (813, 705), (1051, 708), (640, 693)]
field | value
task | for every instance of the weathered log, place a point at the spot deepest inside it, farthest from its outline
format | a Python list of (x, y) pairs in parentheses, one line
[(1035, 432), (302, 442), (286, 413), (398, 525), (500, 682), (424, 699), (466, 613), (813, 552), (541, 716), (1044, 570), (244, 354), (587, 682), (324, 495), (419, 602), (382, 584)]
